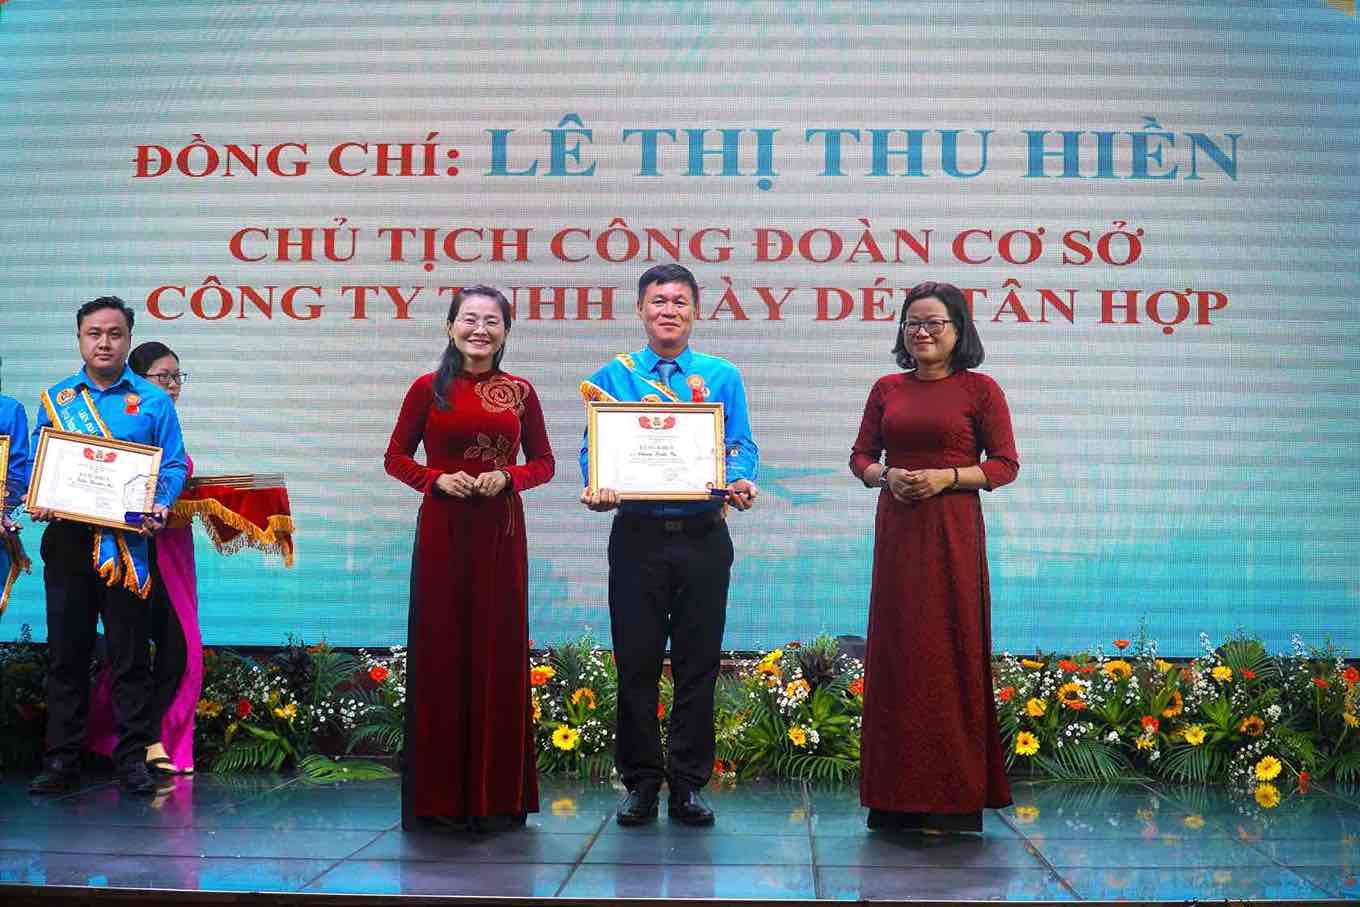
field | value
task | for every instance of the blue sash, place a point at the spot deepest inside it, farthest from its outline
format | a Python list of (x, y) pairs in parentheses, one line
[(119, 557)]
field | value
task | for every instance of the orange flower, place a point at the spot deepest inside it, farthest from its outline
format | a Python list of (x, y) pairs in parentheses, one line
[(1150, 723), (856, 687), (1248, 674), (1069, 665), (1304, 781), (1005, 693), (1252, 726), (1175, 706), (539, 675), (243, 708), (377, 673), (1069, 694), (1321, 683), (583, 693), (794, 645), (1121, 644), (1352, 675), (1087, 669), (660, 709)]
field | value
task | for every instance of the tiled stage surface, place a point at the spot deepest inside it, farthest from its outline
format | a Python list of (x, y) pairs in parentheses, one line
[(263, 834)]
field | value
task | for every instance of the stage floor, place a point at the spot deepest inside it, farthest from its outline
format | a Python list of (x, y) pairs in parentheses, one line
[(772, 841)]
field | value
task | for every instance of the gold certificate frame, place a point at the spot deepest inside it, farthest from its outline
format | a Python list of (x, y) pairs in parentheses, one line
[(657, 451), (92, 480), (4, 470)]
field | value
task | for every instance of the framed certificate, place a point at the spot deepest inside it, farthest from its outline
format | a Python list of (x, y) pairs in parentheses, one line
[(93, 480), (657, 451)]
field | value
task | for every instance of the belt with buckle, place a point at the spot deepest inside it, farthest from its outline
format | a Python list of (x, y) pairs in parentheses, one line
[(699, 522)]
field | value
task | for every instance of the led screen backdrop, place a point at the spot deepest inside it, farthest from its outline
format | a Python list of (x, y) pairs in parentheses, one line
[(1154, 210)]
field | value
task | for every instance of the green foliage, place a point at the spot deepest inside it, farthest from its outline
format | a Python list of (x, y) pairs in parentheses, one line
[(318, 769), (1086, 760)]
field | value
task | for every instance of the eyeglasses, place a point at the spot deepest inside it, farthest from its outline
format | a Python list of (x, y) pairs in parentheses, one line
[(168, 378), (934, 327)]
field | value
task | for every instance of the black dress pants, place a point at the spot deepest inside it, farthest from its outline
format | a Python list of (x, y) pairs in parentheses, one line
[(667, 579), (77, 598)]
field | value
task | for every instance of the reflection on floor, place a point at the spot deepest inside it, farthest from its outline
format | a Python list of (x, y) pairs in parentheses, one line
[(779, 841)]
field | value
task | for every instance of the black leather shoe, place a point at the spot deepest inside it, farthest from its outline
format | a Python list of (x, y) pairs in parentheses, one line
[(639, 807), (136, 779), (55, 778), (689, 807)]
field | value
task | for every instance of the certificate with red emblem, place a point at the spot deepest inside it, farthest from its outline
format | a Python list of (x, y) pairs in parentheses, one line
[(657, 451), (100, 481)]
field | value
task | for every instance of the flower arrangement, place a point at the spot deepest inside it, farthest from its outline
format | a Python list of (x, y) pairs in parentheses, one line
[(1266, 725), (793, 713), (1234, 714)]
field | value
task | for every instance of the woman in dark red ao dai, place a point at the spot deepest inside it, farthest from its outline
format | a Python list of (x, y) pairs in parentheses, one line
[(469, 752), (931, 749)]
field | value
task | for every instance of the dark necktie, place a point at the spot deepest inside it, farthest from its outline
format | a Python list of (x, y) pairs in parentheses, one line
[(666, 369)]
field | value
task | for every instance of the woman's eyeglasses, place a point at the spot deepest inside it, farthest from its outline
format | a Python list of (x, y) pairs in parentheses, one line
[(934, 327), (168, 378)]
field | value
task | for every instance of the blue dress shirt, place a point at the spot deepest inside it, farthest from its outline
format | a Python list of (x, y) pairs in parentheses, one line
[(154, 422), (721, 383), (14, 425)]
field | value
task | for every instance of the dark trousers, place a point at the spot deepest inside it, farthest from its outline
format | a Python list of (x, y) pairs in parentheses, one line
[(667, 580), (171, 651), (76, 599)]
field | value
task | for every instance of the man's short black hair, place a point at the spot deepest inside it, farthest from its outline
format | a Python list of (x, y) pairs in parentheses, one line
[(671, 273), (106, 302)]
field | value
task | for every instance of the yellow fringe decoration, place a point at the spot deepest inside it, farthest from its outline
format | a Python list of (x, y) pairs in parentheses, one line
[(18, 561), (276, 538), (591, 391)]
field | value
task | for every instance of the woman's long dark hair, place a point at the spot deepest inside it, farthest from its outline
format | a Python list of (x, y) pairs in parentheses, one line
[(146, 353), (968, 350), (452, 361)]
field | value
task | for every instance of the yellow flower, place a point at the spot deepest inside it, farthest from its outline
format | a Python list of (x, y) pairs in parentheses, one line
[(1268, 795), (564, 806), (1145, 742), (1026, 744), (585, 693), (564, 738), (1164, 666), (1031, 664), (1195, 821), (1035, 708), (798, 736), (1026, 814), (208, 709), (1268, 769), (799, 687), (772, 657), (287, 713), (1350, 719), (1222, 673), (1069, 694), (538, 709), (541, 674), (1119, 669), (1194, 735), (770, 672)]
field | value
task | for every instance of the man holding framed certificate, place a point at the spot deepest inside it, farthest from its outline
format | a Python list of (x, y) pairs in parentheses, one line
[(669, 445), (108, 463)]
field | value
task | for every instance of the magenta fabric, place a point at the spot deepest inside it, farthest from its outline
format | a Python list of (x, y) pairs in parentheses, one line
[(175, 563)]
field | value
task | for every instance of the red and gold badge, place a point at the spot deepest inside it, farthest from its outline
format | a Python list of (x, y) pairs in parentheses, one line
[(132, 404), (65, 396), (697, 390)]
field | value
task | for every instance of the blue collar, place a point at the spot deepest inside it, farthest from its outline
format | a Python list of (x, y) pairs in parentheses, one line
[(82, 377), (647, 359)]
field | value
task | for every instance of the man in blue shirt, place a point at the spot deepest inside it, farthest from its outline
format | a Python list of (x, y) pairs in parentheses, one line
[(14, 428), (670, 562), (90, 572)]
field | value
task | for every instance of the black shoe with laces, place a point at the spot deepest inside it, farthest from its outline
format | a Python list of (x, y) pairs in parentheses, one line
[(689, 807), (135, 779), (55, 778), (639, 807)]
